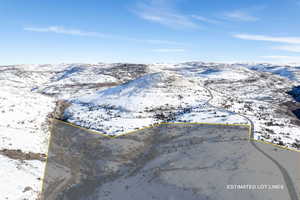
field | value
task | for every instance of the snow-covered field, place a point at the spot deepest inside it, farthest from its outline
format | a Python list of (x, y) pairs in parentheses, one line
[(116, 98)]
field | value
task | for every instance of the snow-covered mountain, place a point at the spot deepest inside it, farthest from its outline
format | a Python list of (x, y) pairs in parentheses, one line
[(120, 97), (290, 72)]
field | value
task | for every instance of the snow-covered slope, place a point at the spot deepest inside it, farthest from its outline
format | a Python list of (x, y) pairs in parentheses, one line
[(27, 96), (260, 96), (120, 97), (235, 90), (81, 79), (23, 128), (136, 103), (290, 72), (20, 180)]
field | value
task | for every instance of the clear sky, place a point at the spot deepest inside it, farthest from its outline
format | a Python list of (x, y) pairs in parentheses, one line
[(149, 31)]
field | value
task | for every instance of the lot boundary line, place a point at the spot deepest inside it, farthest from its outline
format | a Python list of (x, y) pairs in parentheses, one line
[(170, 123)]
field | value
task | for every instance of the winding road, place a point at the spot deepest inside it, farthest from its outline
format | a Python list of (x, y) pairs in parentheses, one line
[(287, 178)]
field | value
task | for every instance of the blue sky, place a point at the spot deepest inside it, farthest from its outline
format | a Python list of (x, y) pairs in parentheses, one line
[(148, 31)]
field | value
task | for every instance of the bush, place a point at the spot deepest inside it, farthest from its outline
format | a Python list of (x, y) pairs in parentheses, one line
[(60, 107)]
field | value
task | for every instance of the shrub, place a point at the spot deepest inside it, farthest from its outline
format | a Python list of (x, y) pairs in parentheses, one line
[(60, 107)]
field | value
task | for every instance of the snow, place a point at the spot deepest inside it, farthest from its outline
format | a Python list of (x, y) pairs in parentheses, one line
[(129, 96), (16, 176), (209, 115), (23, 117), (80, 75), (23, 126), (135, 104), (148, 91), (118, 98), (290, 72), (131, 105), (228, 74), (24, 139)]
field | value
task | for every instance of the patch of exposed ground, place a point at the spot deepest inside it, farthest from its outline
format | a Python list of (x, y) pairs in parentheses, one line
[(20, 155)]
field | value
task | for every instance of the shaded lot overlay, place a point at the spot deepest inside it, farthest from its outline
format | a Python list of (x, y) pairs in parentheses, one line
[(170, 161)]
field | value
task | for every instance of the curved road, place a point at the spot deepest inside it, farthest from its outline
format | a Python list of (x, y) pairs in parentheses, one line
[(289, 183)]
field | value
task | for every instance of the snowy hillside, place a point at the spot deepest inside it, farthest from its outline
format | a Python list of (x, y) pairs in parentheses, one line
[(153, 98), (238, 93), (77, 80), (28, 96), (23, 128), (260, 96), (117, 98), (290, 72)]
